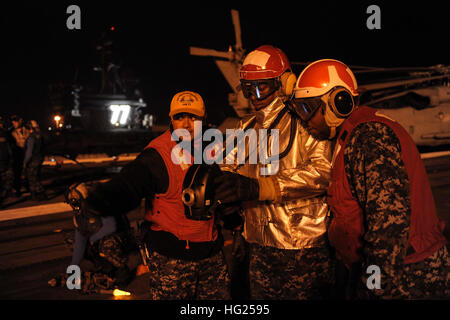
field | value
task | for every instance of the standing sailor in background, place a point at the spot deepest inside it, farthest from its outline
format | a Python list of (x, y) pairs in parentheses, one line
[(20, 134), (33, 158), (6, 164)]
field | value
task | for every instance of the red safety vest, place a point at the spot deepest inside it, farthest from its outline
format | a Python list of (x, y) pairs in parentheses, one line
[(167, 210), (347, 229)]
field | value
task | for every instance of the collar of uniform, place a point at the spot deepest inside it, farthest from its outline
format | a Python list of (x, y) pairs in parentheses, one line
[(265, 116)]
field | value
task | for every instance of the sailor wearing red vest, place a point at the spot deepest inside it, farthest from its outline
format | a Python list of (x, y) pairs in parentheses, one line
[(186, 255), (383, 209)]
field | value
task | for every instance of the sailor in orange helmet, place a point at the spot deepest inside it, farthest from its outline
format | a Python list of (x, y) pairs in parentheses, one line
[(383, 212)]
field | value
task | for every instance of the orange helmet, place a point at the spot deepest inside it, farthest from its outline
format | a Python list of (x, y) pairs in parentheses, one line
[(327, 83), (265, 62), (323, 75)]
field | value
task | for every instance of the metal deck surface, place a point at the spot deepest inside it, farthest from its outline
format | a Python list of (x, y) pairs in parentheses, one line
[(35, 236)]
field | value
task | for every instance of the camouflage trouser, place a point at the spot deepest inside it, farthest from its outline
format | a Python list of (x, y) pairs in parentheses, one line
[(114, 248), (277, 274), (33, 176), (6, 182), (174, 279), (426, 279)]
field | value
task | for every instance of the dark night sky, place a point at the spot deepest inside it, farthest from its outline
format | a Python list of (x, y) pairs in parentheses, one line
[(155, 40)]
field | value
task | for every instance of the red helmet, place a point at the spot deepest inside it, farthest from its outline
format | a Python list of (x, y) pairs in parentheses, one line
[(323, 75), (265, 62), (328, 83)]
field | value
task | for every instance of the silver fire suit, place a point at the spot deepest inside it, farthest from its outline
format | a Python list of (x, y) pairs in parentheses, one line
[(297, 216)]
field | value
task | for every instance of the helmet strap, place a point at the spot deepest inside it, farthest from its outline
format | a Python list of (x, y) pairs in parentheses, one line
[(332, 133), (332, 121)]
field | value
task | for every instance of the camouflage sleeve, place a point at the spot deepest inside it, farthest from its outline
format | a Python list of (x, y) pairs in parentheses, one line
[(379, 182)]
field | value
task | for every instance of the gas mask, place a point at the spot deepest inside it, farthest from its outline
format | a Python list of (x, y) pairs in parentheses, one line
[(198, 191)]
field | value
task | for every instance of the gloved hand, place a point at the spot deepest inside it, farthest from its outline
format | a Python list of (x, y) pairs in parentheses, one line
[(87, 220), (239, 249), (233, 187), (75, 194), (230, 214)]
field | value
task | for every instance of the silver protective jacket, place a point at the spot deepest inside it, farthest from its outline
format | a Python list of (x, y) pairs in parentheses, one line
[(297, 218)]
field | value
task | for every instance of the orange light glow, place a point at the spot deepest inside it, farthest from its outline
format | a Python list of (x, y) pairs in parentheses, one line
[(118, 293)]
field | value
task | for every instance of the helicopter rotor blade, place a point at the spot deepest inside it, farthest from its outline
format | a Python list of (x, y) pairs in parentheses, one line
[(237, 28), (208, 52), (369, 69), (390, 84)]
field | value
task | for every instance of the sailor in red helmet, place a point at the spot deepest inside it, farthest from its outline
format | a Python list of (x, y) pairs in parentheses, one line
[(284, 208), (383, 213)]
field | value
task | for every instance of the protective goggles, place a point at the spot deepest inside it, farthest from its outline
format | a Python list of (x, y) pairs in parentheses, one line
[(260, 89), (305, 108), (339, 100)]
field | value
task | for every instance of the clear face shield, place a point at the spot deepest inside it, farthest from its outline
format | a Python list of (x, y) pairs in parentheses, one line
[(339, 100), (260, 89), (305, 108)]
